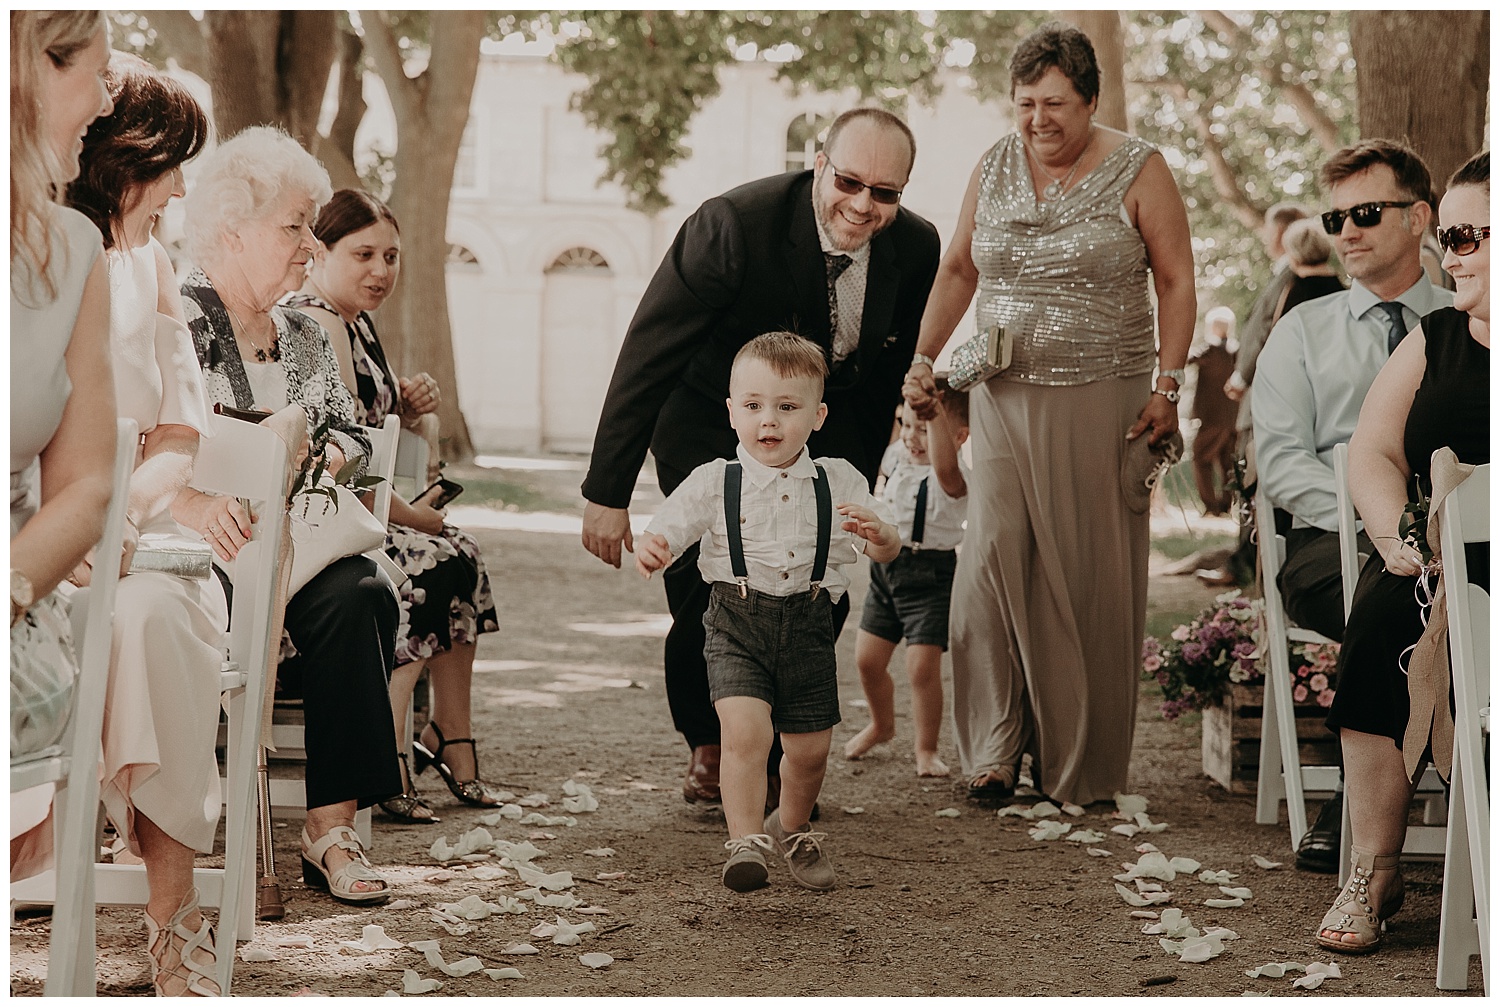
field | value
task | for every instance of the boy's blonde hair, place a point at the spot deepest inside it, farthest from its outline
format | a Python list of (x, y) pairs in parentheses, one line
[(954, 402), (788, 354)]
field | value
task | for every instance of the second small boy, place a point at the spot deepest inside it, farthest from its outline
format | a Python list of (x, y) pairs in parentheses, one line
[(925, 486), (775, 554)]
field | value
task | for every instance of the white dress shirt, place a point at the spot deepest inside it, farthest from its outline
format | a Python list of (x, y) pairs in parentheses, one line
[(779, 526), (1310, 381), (850, 289), (945, 514)]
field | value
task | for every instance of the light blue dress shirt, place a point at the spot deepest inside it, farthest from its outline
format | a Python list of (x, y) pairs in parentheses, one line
[(1310, 381)]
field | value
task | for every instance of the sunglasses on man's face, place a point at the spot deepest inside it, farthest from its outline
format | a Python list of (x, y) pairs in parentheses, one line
[(1364, 215), (853, 187), (1462, 239)]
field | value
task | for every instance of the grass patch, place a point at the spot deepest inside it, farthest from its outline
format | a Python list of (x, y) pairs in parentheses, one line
[(482, 488)]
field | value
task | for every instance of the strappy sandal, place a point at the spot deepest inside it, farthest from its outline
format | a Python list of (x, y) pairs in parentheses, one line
[(340, 883), (196, 977), (406, 807), (992, 785), (475, 791), (1352, 912)]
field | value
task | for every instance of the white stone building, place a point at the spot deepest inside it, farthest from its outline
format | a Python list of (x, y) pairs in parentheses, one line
[(547, 265)]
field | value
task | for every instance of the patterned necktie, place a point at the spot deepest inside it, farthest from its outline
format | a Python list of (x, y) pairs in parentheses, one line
[(1397, 324), (836, 263)]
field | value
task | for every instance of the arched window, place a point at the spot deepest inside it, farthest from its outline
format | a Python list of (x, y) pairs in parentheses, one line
[(803, 137), (461, 257), (578, 260)]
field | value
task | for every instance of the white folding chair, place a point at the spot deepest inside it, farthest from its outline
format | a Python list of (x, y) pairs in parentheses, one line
[(289, 797), (71, 766), (411, 462), (1465, 518), (246, 461)]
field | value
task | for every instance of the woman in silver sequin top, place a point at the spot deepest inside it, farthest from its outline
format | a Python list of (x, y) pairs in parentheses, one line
[(1063, 226)]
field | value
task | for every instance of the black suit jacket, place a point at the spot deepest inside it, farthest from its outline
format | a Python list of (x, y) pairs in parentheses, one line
[(746, 263)]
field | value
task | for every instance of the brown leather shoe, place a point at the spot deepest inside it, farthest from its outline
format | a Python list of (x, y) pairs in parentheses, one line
[(701, 785)]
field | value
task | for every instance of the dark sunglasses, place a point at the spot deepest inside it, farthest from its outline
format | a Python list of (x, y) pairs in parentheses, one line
[(853, 187), (1365, 214), (1462, 239)]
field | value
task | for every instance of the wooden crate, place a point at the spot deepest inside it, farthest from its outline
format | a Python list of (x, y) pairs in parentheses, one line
[(1231, 739)]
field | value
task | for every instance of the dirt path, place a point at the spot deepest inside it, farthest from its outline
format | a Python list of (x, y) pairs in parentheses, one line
[(571, 690)]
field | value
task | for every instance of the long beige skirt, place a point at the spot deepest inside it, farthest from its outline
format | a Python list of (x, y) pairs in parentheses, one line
[(1049, 599)]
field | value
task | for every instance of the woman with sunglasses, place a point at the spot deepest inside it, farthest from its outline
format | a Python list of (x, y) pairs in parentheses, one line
[(1065, 227), (1434, 392)]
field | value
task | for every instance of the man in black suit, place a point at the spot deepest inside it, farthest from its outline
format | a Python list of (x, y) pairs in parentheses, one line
[(828, 254)]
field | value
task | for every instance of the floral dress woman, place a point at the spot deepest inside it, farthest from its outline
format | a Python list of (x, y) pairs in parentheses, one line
[(447, 601)]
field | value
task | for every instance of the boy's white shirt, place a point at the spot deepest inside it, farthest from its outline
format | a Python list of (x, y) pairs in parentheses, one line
[(780, 526), (945, 514)]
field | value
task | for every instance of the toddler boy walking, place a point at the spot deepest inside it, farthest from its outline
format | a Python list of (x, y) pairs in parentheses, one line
[(926, 488), (775, 556)]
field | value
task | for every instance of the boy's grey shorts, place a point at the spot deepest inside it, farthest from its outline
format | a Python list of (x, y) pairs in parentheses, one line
[(775, 649), (909, 597)]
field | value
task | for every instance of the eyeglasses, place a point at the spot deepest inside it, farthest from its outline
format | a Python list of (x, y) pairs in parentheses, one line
[(1462, 239), (853, 187), (1365, 214)]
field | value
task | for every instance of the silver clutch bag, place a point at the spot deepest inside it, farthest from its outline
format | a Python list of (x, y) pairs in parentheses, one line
[(174, 554), (980, 359)]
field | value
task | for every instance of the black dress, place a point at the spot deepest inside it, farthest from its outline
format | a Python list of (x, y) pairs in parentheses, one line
[(1451, 408)]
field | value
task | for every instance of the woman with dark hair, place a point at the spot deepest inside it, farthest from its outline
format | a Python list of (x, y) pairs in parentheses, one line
[(1065, 226), (1434, 392), (446, 604), (160, 782)]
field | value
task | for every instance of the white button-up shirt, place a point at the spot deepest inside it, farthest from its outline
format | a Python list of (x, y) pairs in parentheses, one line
[(945, 514), (1310, 381), (778, 526)]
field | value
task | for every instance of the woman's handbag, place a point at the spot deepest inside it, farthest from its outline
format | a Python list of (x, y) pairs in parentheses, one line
[(1144, 466), (326, 529), (980, 359)]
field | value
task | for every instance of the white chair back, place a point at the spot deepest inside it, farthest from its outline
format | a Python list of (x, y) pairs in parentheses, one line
[(383, 463), (411, 462), (1348, 526)]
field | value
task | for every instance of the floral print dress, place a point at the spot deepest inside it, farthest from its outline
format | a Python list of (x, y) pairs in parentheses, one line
[(447, 601)]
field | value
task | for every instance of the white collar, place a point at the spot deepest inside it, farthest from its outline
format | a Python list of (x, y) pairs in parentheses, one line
[(760, 475)]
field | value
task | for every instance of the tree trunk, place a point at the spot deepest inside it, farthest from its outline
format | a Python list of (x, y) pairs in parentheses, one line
[(1423, 77), (432, 110), (269, 68), (1104, 30), (336, 150)]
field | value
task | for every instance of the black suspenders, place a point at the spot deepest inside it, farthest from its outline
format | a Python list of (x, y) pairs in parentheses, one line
[(732, 481), (919, 520)]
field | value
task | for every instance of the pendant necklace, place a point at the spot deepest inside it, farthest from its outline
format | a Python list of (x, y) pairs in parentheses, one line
[(1055, 189), (272, 355)]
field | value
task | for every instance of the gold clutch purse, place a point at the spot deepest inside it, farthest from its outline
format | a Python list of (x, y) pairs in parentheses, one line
[(980, 359)]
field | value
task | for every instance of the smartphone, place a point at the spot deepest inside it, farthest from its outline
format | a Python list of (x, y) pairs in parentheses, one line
[(248, 415), (439, 495)]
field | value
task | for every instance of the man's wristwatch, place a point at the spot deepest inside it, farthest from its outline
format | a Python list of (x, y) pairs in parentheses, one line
[(921, 358), (22, 594)]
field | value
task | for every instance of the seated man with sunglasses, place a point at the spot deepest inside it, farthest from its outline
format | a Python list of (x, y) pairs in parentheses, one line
[(829, 254), (1312, 376)]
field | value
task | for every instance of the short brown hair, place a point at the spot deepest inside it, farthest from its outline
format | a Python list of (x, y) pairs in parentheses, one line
[(347, 211), (788, 354), (1306, 243), (955, 403), (1284, 215), (1060, 45), (1412, 176), (879, 117)]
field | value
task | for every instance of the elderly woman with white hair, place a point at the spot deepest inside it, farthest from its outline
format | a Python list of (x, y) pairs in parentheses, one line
[(248, 224)]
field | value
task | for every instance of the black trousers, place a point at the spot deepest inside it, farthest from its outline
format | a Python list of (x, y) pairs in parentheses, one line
[(687, 672), (1311, 581), (343, 624)]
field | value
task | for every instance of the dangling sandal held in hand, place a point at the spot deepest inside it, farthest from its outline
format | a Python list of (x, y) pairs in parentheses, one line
[(195, 978), (340, 883), (1352, 911), (475, 791)]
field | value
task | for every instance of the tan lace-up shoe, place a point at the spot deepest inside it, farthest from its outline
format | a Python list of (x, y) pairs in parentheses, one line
[(745, 871), (803, 851)]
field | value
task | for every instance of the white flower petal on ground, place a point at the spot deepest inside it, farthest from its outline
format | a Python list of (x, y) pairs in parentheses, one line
[(537, 818), (1127, 806), (475, 857), (1265, 864), (1072, 809), (516, 853), (476, 840), (463, 967), (459, 929), (854, 811), (521, 949), (1223, 903), (1150, 865), (554, 882), (1235, 893), (1145, 914), (1044, 809), (1217, 877), (409, 903), (503, 974), (1253, 993), (511, 811), (470, 907), (948, 813), (1200, 951), (1311, 981), (1184, 865), (486, 873), (575, 789), (294, 940), (1172, 924), (1329, 969), (414, 985), (1143, 886), (372, 939), (249, 954), (1014, 810), (603, 851), (610, 875), (539, 834), (562, 900), (441, 851), (579, 805), (596, 959), (1095, 851), (562, 932), (1143, 820), (1273, 970), (1047, 830), (592, 911), (1125, 830), (1085, 836), (494, 818), (535, 801), (1147, 848), (1140, 901)]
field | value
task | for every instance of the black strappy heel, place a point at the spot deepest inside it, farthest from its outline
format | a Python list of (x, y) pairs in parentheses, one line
[(475, 791), (403, 806)]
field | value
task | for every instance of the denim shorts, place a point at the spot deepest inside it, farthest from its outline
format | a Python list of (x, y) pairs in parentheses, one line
[(909, 597), (779, 650)]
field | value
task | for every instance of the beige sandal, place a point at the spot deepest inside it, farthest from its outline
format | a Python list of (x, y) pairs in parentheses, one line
[(340, 884), (1352, 912), (196, 977)]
